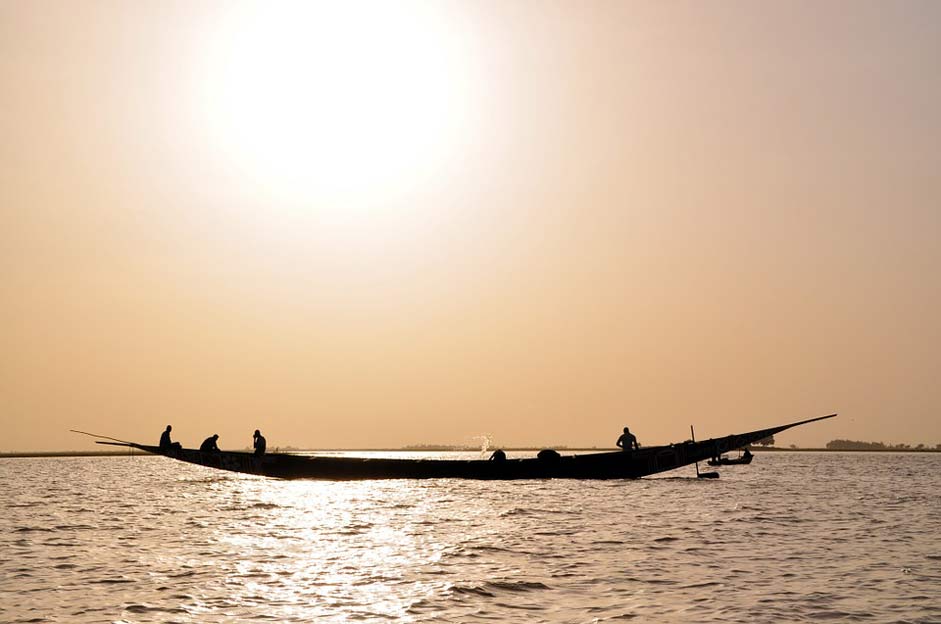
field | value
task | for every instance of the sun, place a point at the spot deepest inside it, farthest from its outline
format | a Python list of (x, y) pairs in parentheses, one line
[(317, 102)]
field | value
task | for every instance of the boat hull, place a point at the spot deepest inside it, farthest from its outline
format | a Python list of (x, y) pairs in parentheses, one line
[(607, 465)]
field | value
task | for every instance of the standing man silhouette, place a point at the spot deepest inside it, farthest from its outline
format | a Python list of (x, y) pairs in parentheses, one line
[(259, 443), (627, 441)]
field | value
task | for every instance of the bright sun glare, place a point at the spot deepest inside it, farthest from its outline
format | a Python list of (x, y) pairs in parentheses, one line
[(322, 101)]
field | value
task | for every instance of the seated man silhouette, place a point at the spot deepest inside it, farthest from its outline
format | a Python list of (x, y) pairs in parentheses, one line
[(627, 441), (166, 444), (209, 444)]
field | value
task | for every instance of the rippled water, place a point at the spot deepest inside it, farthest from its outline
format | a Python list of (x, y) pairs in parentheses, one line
[(793, 537)]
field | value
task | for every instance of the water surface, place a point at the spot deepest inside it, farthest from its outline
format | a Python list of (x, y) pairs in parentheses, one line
[(793, 537)]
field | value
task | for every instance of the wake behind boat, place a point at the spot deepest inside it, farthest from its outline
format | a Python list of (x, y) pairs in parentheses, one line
[(547, 465)]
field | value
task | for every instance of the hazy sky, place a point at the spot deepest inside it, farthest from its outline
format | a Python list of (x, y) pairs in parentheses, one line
[(362, 225)]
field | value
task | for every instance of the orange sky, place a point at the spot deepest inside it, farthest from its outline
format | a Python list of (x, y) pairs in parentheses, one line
[(365, 225)]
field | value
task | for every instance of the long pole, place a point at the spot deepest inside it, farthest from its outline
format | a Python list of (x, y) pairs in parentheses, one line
[(95, 435), (704, 475)]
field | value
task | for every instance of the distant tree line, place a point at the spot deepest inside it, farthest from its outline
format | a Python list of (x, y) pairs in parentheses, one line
[(855, 445)]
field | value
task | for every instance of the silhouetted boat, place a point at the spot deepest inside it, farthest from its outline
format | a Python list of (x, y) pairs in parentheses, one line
[(548, 465), (731, 461)]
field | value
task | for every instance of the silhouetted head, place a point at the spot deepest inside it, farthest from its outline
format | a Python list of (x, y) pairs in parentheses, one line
[(215, 436), (626, 430), (257, 433), (169, 428)]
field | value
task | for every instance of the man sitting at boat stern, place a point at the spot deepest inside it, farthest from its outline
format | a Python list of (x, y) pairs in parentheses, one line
[(166, 444), (627, 441)]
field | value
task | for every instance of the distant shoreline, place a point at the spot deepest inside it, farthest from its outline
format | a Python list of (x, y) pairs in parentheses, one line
[(138, 453)]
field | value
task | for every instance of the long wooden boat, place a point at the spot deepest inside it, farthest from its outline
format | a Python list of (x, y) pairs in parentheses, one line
[(606, 465)]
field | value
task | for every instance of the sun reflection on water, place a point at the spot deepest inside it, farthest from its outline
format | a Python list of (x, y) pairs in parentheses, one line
[(335, 545)]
